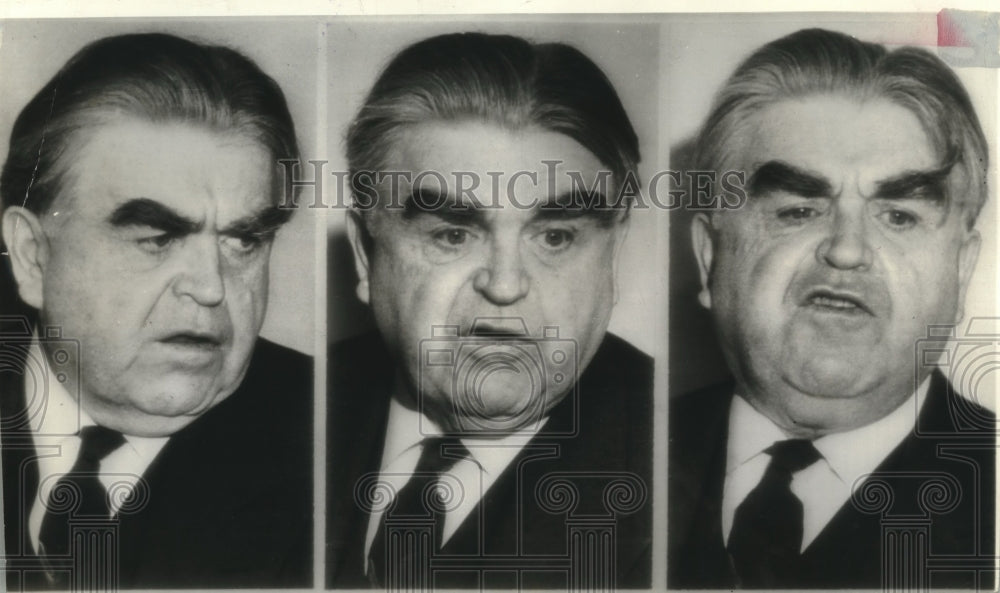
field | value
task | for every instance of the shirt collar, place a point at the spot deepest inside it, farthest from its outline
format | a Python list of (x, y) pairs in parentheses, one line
[(856, 453), (407, 428), (750, 432), (58, 413), (851, 453)]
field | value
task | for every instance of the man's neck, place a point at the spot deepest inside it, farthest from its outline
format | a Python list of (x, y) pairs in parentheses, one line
[(808, 416)]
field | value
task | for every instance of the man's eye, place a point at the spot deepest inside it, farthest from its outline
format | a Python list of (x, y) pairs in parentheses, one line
[(243, 244), (899, 219), (797, 214), (451, 237), (156, 243), (556, 239)]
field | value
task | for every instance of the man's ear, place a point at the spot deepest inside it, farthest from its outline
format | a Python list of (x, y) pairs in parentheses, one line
[(357, 234), (702, 239), (968, 254), (29, 252)]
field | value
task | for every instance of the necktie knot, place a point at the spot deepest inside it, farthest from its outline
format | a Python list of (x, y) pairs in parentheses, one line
[(793, 455), (439, 454), (97, 442), (84, 489), (766, 537)]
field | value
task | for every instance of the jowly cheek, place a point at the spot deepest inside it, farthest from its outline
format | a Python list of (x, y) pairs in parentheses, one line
[(247, 292), (753, 281), (577, 295), (738, 263)]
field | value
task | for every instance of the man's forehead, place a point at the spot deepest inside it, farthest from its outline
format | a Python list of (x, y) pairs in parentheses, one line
[(468, 145), (187, 167), (845, 139), (470, 165)]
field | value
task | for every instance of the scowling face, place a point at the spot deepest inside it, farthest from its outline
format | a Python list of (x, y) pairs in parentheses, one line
[(845, 252), (154, 256)]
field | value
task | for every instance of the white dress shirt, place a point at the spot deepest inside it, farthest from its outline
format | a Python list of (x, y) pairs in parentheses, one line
[(55, 432), (826, 485), (406, 430)]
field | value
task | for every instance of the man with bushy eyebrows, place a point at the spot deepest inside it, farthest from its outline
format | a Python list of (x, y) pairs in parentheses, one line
[(491, 388), (150, 438), (839, 456)]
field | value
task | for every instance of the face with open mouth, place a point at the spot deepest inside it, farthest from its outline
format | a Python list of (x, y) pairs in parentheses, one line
[(524, 268), (844, 254), (157, 264)]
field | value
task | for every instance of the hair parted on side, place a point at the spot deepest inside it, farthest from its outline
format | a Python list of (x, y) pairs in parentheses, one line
[(151, 76), (497, 79), (817, 61)]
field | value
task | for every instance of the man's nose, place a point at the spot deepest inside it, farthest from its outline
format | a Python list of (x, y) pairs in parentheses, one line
[(503, 280), (201, 274), (847, 244)]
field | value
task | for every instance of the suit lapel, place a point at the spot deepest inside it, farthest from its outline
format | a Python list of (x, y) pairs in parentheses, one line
[(855, 537), (19, 458), (358, 420), (913, 453), (696, 475), (583, 434)]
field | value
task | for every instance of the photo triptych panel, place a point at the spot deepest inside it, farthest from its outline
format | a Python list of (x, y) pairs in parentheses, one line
[(509, 301)]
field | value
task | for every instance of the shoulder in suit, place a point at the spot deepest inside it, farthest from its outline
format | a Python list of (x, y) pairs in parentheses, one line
[(936, 488), (600, 441), (229, 498)]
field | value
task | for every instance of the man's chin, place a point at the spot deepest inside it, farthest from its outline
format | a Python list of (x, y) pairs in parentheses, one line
[(152, 426), (811, 415), (831, 379), (488, 413), (135, 421), (162, 408), (494, 418), (837, 337)]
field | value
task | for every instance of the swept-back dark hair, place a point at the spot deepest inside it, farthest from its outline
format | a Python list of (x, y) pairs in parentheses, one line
[(152, 76), (497, 79)]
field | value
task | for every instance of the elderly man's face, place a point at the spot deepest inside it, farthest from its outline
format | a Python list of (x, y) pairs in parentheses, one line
[(156, 261), (844, 254), (549, 272)]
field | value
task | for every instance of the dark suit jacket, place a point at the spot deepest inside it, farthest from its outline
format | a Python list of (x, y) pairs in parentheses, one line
[(229, 497), (613, 421), (938, 482)]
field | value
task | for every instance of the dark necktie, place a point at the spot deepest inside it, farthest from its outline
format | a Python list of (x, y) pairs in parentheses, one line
[(417, 500), (81, 490), (767, 528)]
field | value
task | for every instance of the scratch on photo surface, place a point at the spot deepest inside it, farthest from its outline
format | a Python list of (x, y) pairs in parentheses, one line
[(38, 156)]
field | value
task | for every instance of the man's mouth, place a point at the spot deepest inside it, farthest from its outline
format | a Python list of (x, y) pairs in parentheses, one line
[(496, 333), (834, 301), (202, 340), (498, 329)]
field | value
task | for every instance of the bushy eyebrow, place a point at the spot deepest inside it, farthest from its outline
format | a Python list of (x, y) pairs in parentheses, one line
[(926, 185), (152, 214), (443, 206), (567, 206), (779, 176), (264, 223)]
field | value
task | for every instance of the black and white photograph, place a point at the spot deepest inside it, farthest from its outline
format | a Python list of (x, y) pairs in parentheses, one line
[(833, 312), (491, 316), (336, 295), (157, 384)]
